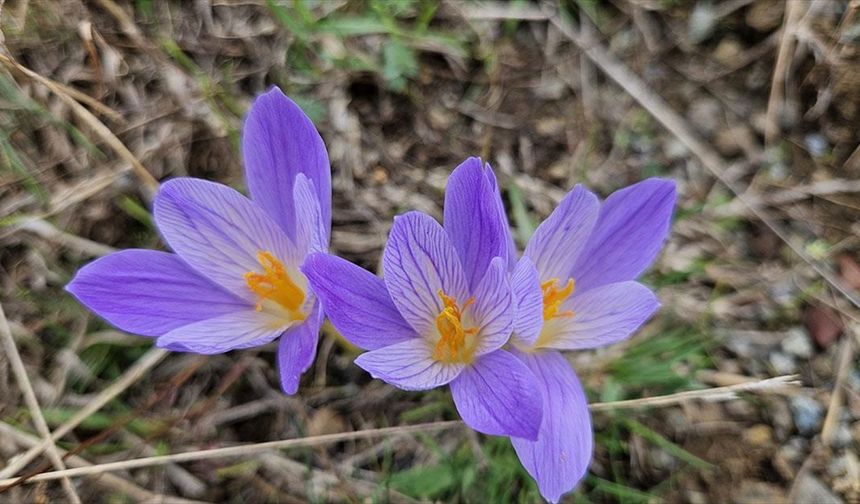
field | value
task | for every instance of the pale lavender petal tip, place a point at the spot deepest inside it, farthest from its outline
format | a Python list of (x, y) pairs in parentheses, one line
[(478, 231), (629, 233), (279, 141)]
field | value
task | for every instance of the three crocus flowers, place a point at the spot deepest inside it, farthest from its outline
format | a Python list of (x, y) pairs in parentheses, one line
[(455, 306)]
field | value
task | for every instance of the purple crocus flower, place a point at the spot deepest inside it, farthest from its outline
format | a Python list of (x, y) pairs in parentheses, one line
[(234, 280), (574, 289), (443, 310)]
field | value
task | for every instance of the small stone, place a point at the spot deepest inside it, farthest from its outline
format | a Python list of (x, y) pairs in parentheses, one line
[(758, 492), (807, 414), (765, 15), (705, 115), (727, 51), (701, 23), (794, 450), (842, 437), (760, 435), (675, 150), (783, 364), (810, 489), (797, 343), (696, 497), (325, 421), (816, 144), (726, 142)]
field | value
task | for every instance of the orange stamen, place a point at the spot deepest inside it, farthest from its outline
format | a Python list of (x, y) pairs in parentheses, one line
[(456, 343), (553, 297), (275, 284)]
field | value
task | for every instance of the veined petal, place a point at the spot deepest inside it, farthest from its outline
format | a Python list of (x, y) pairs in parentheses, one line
[(559, 458), (232, 331), (510, 253), (279, 142), (601, 316), (559, 240), (630, 231), (297, 348), (311, 231), (493, 310), (408, 365), (528, 300), (357, 302), (149, 293), (472, 219), (418, 262), (219, 232), (497, 394)]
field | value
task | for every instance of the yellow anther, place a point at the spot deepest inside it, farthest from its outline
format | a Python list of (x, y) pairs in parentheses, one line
[(553, 297), (456, 343), (275, 284)]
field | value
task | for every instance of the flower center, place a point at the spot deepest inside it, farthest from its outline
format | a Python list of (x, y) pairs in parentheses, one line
[(456, 343), (274, 286), (553, 297)]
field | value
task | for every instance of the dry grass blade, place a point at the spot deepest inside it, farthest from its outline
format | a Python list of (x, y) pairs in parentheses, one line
[(834, 409), (107, 481), (142, 366), (92, 121), (235, 451), (47, 231), (793, 11), (770, 385), (33, 404)]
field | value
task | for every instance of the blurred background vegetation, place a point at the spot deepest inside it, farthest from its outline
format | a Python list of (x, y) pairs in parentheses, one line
[(101, 99)]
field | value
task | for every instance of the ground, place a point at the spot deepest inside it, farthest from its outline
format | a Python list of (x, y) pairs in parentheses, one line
[(100, 100)]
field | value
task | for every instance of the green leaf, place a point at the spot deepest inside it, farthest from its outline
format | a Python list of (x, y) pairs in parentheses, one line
[(398, 64), (352, 26), (424, 482)]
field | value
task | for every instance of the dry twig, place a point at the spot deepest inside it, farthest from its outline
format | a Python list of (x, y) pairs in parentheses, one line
[(770, 385), (33, 404), (142, 366)]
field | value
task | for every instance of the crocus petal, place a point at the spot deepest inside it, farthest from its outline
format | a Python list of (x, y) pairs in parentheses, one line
[(418, 262), (601, 316), (297, 348), (311, 232), (496, 395), (559, 458), (528, 300), (279, 142), (630, 231), (510, 253), (472, 219), (149, 293), (219, 232), (408, 365), (232, 331), (356, 302), (493, 310), (558, 242)]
